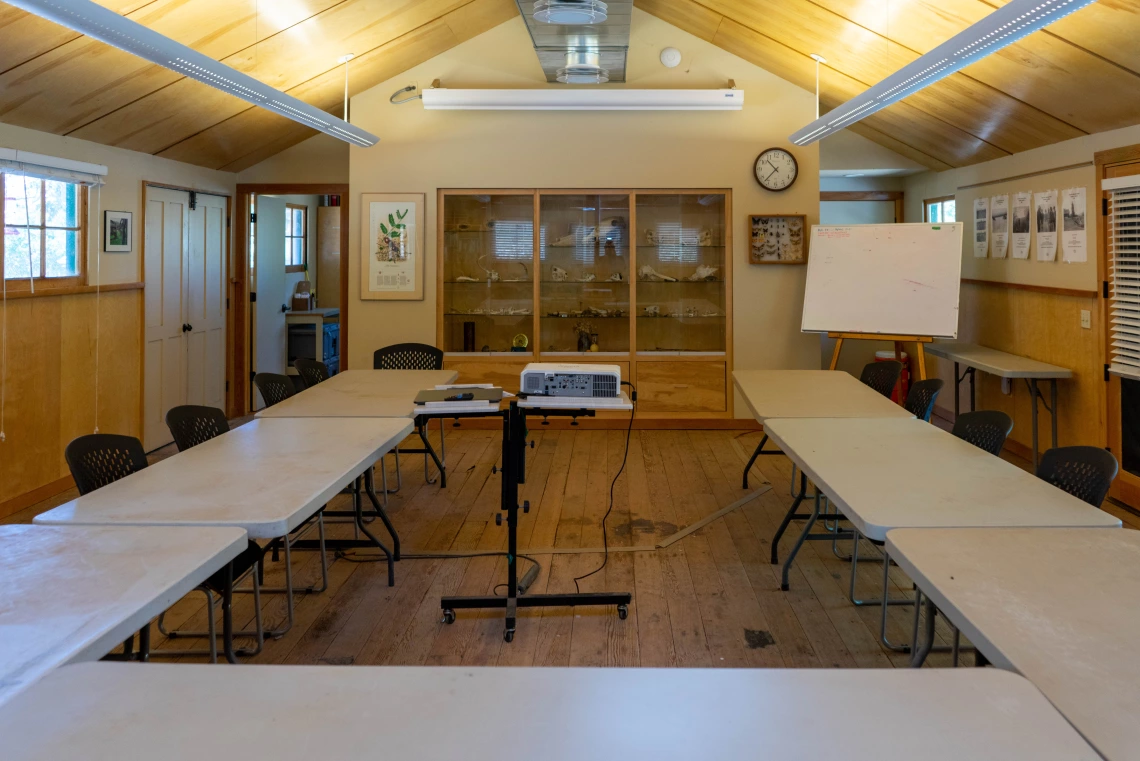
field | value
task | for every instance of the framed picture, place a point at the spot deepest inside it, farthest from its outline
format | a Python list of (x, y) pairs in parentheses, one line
[(118, 231), (392, 246), (777, 239)]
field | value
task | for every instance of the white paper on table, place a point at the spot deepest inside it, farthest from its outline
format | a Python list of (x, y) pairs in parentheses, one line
[(1046, 204), (1021, 223), (981, 227), (1073, 219), (999, 225)]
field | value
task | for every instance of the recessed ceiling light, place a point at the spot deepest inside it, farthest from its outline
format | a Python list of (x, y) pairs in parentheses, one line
[(570, 12), (583, 68)]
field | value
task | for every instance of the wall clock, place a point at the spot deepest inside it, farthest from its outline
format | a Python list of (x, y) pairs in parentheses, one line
[(776, 169)]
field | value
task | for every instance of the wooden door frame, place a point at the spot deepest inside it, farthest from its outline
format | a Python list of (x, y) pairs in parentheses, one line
[(867, 195), (240, 315), (229, 257), (1128, 493)]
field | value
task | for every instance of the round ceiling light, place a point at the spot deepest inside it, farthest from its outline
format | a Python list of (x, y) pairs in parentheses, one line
[(570, 12), (583, 68)]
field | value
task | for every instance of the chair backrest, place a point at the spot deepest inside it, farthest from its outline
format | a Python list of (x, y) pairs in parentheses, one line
[(191, 424), (408, 357), (882, 376), (920, 398), (985, 429), (274, 388), (311, 371), (1084, 472), (103, 458)]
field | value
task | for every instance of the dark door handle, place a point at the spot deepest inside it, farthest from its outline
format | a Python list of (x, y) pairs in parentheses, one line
[(284, 308), (185, 327), (189, 328)]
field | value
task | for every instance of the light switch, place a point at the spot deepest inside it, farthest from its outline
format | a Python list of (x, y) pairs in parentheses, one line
[(1086, 319)]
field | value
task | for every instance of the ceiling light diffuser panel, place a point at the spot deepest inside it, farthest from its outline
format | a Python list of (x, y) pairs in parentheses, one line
[(97, 22), (1006, 25)]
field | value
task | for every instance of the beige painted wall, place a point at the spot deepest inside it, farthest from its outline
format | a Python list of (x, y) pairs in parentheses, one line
[(321, 159), (421, 151), (127, 170)]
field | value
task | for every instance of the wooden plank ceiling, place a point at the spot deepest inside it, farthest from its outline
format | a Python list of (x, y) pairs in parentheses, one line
[(1081, 75)]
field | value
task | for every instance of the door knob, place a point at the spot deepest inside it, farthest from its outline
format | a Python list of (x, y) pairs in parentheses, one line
[(185, 327), (284, 308)]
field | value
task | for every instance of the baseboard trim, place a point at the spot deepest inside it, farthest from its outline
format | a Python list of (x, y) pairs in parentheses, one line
[(26, 500)]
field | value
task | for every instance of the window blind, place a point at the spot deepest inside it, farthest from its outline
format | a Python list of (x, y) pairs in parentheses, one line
[(1124, 272), (51, 168)]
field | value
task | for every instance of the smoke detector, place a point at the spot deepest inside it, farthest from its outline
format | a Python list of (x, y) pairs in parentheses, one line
[(583, 68), (670, 57), (570, 12)]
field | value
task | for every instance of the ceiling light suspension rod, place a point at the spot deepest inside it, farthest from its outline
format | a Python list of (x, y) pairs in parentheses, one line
[(1008, 24), (105, 25)]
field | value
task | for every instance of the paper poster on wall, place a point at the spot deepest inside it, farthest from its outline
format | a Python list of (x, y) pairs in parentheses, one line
[(1019, 240), (1073, 225), (1046, 204), (981, 227), (999, 225), (392, 261)]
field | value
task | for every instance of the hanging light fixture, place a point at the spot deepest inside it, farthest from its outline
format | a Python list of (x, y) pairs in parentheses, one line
[(105, 25), (1006, 25), (570, 12), (583, 67)]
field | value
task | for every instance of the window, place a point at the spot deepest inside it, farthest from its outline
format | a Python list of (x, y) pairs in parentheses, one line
[(940, 209), (296, 230), (44, 230)]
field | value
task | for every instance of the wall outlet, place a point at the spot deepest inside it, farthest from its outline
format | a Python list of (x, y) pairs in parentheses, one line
[(1086, 319), (1007, 386)]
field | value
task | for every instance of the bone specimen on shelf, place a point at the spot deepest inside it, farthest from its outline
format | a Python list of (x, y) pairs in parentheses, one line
[(558, 275), (466, 279), (651, 237), (646, 272), (492, 275), (589, 277), (617, 277), (704, 272)]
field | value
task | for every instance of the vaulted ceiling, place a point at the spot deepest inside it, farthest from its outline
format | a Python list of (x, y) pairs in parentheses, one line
[(1079, 76)]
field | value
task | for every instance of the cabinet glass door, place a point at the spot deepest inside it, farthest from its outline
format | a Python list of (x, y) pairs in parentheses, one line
[(584, 266), (681, 249), (488, 273)]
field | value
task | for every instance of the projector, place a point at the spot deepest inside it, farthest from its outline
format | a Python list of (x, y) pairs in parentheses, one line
[(594, 381)]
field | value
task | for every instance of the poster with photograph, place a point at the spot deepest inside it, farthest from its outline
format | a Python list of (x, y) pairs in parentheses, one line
[(1046, 204), (999, 225), (981, 227), (392, 244), (1073, 220), (117, 231), (1019, 241)]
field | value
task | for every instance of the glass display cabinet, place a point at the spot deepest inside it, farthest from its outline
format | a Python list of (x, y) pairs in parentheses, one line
[(639, 279)]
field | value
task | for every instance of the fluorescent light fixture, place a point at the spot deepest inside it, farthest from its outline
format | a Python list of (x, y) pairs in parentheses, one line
[(570, 12), (1006, 25), (561, 99), (583, 68), (105, 25)]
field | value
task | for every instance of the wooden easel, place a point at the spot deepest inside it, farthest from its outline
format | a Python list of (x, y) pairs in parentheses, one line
[(899, 341)]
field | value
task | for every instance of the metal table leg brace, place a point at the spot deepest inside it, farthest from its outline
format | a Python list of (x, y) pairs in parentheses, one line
[(513, 474)]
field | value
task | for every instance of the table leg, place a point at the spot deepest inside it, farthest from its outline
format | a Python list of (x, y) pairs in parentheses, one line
[(421, 429), (800, 541), (370, 488), (364, 529), (752, 460), (1053, 407), (957, 391), (228, 614), (144, 643), (788, 518), (973, 389), (1033, 391), (921, 651)]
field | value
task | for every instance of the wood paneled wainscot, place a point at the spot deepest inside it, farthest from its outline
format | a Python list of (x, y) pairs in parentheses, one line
[(50, 397), (681, 387)]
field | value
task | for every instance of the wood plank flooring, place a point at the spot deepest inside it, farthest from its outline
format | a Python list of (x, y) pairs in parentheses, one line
[(709, 599)]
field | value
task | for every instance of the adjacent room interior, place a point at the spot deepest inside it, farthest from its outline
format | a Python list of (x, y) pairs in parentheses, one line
[(757, 371)]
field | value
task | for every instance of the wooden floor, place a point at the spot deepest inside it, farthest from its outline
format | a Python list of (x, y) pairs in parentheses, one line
[(709, 599)]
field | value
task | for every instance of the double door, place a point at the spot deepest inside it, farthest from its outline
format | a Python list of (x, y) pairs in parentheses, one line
[(185, 253)]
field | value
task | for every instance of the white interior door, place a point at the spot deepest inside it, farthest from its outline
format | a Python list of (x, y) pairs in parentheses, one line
[(164, 377), (206, 303), (271, 334)]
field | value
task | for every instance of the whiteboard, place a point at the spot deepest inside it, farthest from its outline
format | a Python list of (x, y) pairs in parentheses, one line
[(900, 279)]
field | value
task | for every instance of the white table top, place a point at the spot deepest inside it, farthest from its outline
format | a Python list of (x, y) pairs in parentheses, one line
[(994, 362), (187, 712), (73, 594), (361, 393), (811, 393), (886, 473), (267, 476), (1057, 606)]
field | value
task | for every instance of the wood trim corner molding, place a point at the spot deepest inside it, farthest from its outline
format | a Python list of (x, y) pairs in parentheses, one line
[(73, 290), (1074, 292)]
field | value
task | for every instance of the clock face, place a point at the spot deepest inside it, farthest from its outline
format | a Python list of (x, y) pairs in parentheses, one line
[(776, 169)]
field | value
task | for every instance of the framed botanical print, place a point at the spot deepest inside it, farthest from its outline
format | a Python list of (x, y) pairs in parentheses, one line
[(118, 231), (392, 246), (778, 239)]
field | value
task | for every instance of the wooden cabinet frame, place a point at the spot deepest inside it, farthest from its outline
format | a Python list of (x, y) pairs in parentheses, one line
[(516, 360)]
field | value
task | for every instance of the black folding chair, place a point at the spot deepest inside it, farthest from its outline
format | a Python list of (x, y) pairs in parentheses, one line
[(411, 356), (311, 371), (985, 429), (1085, 472), (882, 376), (920, 398)]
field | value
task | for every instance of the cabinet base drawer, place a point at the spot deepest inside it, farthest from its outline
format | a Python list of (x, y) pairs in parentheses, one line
[(681, 387)]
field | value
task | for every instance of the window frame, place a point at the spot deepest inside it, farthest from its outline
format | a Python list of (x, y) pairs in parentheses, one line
[(940, 200), (42, 280), (304, 238)]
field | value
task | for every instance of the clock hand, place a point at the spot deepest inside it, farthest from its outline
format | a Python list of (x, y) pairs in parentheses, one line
[(774, 170), (771, 164)]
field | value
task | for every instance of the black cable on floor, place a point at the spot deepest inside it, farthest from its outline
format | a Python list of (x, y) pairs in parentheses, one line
[(610, 509)]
